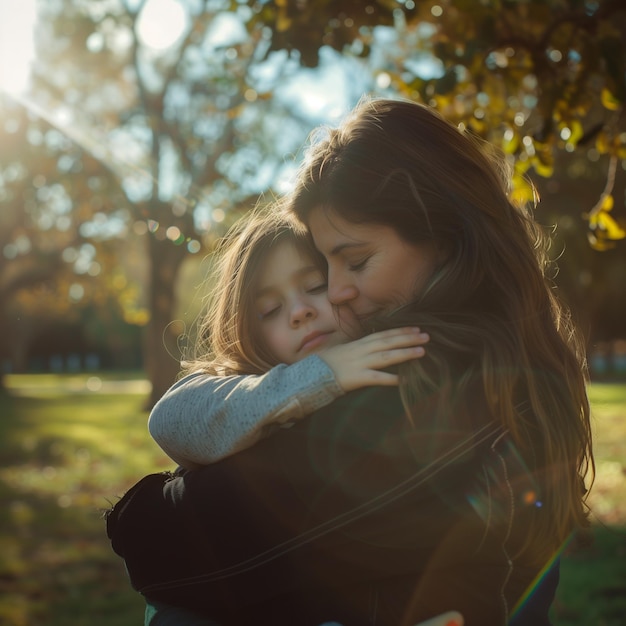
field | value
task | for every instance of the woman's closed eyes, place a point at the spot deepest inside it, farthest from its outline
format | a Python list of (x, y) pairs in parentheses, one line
[(358, 265)]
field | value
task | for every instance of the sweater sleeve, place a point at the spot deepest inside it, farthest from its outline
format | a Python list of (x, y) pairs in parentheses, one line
[(203, 418)]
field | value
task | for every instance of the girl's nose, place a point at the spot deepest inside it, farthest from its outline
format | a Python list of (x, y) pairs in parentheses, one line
[(302, 311)]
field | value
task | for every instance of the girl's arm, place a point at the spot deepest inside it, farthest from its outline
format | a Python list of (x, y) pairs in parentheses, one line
[(203, 418)]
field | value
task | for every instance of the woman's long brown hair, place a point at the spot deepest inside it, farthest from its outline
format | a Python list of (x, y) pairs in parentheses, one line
[(490, 307)]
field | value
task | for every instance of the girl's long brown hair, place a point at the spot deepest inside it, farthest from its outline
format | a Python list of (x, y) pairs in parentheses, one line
[(228, 340), (495, 321)]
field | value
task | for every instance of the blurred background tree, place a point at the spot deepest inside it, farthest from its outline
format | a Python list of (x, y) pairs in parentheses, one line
[(150, 124), (50, 269), (180, 130)]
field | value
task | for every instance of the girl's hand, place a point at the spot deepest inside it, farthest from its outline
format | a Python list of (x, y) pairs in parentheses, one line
[(358, 363)]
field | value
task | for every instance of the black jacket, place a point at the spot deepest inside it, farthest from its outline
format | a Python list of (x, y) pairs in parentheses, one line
[(339, 518)]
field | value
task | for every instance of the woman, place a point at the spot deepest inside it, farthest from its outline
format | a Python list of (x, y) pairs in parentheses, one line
[(387, 508)]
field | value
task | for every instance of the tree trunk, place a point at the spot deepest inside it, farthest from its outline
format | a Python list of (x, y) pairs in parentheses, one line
[(161, 352)]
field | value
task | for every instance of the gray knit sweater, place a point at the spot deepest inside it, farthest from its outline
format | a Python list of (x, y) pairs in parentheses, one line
[(202, 418)]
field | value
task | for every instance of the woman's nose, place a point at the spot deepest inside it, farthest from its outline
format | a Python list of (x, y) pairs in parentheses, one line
[(340, 291), (302, 311)]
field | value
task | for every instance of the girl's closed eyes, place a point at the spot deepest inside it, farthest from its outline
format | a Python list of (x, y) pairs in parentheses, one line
[(269, 311), (308, 280), (318, 287)]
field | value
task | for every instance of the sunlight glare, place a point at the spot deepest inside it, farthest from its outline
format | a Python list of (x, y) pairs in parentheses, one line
[(16, 44), (161, 23)]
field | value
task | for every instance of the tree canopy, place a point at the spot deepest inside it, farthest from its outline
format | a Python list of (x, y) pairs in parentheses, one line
[(534, 76), (125, 137)]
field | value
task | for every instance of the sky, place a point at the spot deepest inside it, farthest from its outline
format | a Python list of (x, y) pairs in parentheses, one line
[(161, 24), (17, 19), (323, 94)]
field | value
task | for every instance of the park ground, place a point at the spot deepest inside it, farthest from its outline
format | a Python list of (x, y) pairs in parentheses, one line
[(70, 445)]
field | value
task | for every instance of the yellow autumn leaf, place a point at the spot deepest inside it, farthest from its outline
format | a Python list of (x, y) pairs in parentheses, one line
[(478, 126), (607, 203), (599, 244), (521, 166), (577, 131), (137, 317), (602, 221), (603, 143), (543, 168), (522, 193), (510, 146), (609, 101)]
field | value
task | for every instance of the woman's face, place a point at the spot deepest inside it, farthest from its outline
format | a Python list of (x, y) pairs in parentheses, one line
[(371, 269)]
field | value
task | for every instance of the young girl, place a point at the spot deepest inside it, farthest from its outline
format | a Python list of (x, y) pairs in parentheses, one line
[(274, 344)]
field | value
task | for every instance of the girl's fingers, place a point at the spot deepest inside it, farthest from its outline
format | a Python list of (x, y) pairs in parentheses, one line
[(398, 340), (361, 363), (383, 379), (390, 334), (393, 357)]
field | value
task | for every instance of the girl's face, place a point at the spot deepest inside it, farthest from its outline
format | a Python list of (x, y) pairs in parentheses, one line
[(295, 317), (371, 269)]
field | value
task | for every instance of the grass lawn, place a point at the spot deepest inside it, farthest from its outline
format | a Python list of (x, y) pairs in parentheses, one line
[(70, 444), (593, 579), (65, 453)]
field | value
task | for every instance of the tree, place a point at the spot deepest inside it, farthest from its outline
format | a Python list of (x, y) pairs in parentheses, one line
[(47, 266), (176, 134), (534, 76), (181, 134)]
